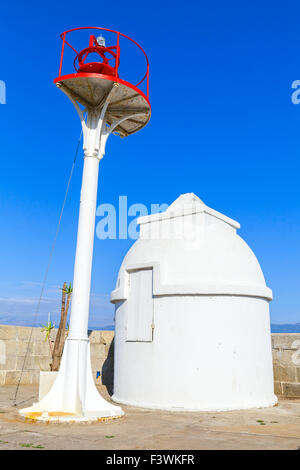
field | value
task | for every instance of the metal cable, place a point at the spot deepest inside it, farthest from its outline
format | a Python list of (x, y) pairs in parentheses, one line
[(47, 269)]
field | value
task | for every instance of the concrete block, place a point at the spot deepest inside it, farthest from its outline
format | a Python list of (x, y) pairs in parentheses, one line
[(285, 373), (11, 347), (35, 377), (277, 388), (107, 337), (97, 363), (12, 377), (38, 335), (33, 363), (15, 347), (95, 336), (24, 347), (41, 348), (276, 372), (291, 357), (286, 340), (24, 332), (272, 340), (8, 332), (53, 334), (276, 356), (2, 351), (296, 357), (291, 390), (286, 357), (8, 363), (2, 377), (97, 350), (25, 363), (42, 362)]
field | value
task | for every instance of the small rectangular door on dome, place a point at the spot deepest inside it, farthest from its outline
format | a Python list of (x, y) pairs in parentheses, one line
[(140, 306)]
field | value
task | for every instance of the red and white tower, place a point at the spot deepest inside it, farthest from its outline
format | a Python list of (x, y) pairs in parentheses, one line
[(105, 104)]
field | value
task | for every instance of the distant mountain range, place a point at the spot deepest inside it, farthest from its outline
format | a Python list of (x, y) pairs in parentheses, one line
[(275, 327), (9, 320)]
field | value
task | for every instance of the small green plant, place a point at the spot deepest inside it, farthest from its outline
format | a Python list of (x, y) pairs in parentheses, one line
[(109, 437), (48, 327), (67, 289), (3, 442), (261, 422)]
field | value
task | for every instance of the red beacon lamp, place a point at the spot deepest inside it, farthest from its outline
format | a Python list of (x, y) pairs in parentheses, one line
[(97, 46), (105, 104), (98, 85)]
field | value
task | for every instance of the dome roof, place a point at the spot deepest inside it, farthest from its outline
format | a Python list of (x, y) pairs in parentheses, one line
[(193, 249)]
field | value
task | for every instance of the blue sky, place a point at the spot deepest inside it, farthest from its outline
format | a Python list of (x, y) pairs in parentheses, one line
[(223, 126)]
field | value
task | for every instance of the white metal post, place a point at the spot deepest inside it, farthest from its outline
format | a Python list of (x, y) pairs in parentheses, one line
[(74, 392), (84, 249)]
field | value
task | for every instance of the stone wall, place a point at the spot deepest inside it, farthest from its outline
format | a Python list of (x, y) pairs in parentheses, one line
[(18, 342), (286, 363)]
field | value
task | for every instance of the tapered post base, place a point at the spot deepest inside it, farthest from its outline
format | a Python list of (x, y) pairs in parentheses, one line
[(73, 396)]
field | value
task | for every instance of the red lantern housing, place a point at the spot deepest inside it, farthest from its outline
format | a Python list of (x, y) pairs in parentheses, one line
[(92, 80)]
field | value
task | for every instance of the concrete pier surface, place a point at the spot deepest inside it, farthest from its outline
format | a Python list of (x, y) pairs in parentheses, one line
[(269, 428)]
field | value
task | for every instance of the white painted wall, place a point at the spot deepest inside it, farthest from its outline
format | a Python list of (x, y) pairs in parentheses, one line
[(211, 344)]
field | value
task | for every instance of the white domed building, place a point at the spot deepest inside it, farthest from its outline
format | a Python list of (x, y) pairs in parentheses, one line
[(192, 327)]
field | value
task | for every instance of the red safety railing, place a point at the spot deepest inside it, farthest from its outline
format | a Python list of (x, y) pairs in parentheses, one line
[(117, 61)]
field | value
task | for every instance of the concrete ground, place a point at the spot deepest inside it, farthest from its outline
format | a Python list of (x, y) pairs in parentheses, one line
[(270, 428)]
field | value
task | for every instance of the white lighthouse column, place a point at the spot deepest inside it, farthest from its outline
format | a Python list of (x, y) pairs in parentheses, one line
[(84, 250), (74, 395)]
